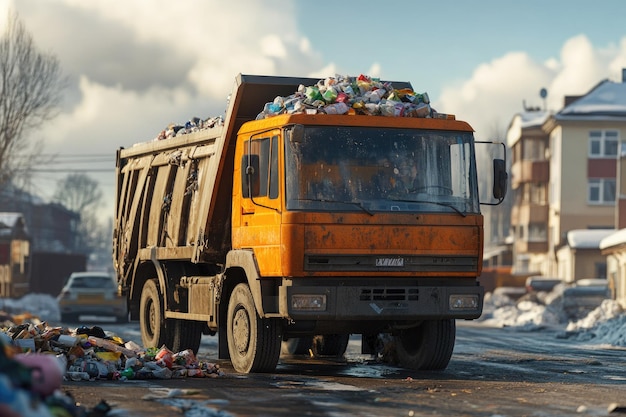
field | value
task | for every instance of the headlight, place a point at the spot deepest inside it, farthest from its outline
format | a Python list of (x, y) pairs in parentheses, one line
[(312, 302), (463, 302)]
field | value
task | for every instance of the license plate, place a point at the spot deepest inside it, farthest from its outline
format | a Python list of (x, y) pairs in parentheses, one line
[(390, 262)]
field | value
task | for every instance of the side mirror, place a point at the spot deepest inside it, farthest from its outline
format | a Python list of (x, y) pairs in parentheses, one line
[(500, 178)]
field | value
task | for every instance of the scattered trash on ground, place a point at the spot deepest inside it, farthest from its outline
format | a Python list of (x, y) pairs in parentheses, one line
[(36, 358)]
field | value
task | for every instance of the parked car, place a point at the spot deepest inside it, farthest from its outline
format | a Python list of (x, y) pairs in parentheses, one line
[(584, 295), (91, 293), (538, 283)]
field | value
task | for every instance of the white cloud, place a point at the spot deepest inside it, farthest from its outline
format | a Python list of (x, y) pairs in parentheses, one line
[(497, 90), (142, 64)]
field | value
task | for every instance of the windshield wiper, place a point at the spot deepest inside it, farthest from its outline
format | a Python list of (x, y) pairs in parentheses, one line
[(353, 203), (439, 203)]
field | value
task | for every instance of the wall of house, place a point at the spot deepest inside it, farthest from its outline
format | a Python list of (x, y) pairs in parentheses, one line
[(575, 264), (14, 272), (616, 273), (585, 263), (576, 212), (565, 264)]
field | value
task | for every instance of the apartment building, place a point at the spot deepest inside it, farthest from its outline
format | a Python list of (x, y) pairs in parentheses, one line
[(564, 178), (530, 176)]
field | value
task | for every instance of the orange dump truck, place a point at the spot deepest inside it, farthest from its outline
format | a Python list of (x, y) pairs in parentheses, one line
[(295, 231)]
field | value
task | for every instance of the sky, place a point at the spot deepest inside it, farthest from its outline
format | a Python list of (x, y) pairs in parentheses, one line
[(135, 66)]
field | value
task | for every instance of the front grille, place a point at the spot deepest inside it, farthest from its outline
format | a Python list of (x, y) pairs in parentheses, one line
[(389, 294), (391, 263)]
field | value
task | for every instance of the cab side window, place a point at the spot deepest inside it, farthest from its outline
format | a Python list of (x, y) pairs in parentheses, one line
[(259, 168)]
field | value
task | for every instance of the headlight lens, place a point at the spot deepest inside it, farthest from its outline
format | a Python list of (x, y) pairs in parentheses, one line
[(311, 302), (463, 302)]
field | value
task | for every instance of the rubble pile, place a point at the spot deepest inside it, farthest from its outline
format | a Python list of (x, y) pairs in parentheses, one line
[(353, 95), (36, 358)]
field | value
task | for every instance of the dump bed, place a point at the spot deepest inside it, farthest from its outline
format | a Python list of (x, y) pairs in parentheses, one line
[(174, 195)]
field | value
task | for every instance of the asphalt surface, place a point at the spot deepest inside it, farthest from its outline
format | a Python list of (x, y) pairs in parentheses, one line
[(493, 372)]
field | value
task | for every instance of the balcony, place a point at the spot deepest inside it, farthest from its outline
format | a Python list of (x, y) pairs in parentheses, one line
[(526, 213), (524, 246), (529, 171)]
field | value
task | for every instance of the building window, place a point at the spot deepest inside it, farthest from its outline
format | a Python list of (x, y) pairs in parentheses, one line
[(537, 232), (603, 143), (534, 150), (601, 191)]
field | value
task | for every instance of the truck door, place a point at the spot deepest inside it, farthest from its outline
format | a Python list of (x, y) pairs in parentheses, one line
[(260, 202)]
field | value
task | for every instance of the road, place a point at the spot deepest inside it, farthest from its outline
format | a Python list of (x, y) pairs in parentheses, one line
[(493, 372)]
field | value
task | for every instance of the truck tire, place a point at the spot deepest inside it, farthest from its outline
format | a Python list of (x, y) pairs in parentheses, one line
[(331, 344), (152, 319), (186, 334), (428, 346), (253, 343)]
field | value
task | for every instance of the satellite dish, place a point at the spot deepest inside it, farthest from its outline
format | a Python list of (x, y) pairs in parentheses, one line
[(543, 93)]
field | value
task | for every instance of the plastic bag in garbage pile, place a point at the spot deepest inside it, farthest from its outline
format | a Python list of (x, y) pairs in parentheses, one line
[(352, 95)]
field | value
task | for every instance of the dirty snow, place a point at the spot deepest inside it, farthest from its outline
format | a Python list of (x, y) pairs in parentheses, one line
[(605, 325)]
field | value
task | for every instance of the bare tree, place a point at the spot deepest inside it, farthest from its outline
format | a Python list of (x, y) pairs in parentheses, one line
[(30, 92), (82, 194)]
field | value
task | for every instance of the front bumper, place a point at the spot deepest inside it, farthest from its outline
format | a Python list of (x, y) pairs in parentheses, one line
[(384, 302)]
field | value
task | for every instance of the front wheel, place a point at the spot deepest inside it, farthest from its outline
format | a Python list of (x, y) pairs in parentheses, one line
[(253, 342), (428, 346)]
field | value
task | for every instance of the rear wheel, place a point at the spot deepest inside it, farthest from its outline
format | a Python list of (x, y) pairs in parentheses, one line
[(186, 334), (331, 344), (152, 319), (297, 345), (253, 343), (428, 346)]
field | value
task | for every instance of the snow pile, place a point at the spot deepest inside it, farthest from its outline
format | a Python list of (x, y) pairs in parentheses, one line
[(43, 306), (530, 312), (606, 324)]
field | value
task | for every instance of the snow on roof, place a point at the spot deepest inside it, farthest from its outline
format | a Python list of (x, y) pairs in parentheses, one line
[(8, 220), (533, 118), (10, 223), (607, 99), (614, 239), (587, 238)]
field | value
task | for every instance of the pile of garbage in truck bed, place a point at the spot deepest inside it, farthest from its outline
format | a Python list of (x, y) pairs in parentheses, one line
[(352, 95), (362, 95), (35, 359)]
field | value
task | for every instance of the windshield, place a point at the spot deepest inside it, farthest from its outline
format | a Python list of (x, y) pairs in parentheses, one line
[(366, 168)]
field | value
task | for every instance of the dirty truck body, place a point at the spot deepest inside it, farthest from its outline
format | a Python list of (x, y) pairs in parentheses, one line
[(279, 233)]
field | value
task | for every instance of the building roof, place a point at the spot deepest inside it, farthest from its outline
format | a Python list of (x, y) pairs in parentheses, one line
[(533, 118), (614, 239), (11, 223), (587, 238), (526, 121), (607, 100)]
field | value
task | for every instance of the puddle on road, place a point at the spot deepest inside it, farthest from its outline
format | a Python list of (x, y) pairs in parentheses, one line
[(316, 384)]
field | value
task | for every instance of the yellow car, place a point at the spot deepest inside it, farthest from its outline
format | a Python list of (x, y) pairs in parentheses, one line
[(91, 293)]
